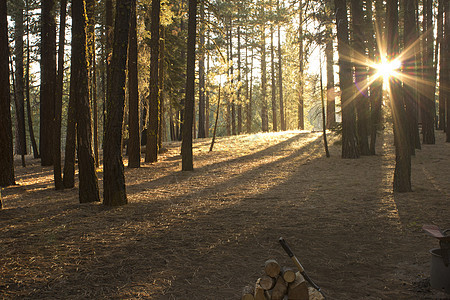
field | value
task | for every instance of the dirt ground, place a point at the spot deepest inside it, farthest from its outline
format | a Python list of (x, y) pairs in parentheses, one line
[(206, 234)]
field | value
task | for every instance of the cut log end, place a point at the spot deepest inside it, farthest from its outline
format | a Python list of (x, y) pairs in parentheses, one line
[(272, 268), (247, 293)]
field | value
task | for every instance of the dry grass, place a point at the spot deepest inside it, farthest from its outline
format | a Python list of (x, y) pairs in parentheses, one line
[(205, 234)]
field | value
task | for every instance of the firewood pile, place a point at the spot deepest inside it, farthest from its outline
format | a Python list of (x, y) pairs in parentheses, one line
[(280, 283)]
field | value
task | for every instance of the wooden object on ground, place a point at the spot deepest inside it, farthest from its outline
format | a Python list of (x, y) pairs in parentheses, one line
[(288, 274), (260, 293), (272, 268), (247, 293), (298, 290), (267, 282), (280, 289), (315, 294)]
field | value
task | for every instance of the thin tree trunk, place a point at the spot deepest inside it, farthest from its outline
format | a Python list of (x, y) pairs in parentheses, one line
[(27, 90), (215, 122), (264, 113), (440, 46), (239, 88), (201, 74), (58, 100), (187, 163), (280, 76), (21, 145), (151, 150), (301, 118), (445, 67), (324, 123), (273, 87), (331, 104), (162, 122), (134, 143), (114, 177)]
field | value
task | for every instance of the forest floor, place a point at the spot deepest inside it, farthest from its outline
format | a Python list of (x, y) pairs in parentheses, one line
[(206, 234)]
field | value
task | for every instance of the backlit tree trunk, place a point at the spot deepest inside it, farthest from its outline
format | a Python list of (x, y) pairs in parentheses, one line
[(402, 172), (21, 145), (58, 100), (134, 144), (6, 137), (301, 118), (88, 182), (48, 80), (151, 150), (187, 163), (114, 177), (349, 140)]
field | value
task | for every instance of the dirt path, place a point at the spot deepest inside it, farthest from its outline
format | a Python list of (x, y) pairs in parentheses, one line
[(206, 234)]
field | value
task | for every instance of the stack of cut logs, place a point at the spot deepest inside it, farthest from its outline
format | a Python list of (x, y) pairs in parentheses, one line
[(280, 284)]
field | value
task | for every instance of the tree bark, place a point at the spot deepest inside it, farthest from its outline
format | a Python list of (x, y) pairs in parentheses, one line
[(21, 142), (428, 101), (48, 80), (359, 50), (402, 172), (6, 146), (114, 177), (134, 144), (264, 113), (280, 75), (58, 100), (349, 139), (187, 163), (88, 182), (301, 117), (273, 87), (27, 89), (151, 150), (201, 75), (446, 66), (331, 104)]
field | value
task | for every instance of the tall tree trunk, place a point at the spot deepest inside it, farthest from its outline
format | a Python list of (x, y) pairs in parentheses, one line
[(207, 97), (227, 94), (239, 88), (27, 89), (6, 146), (301, 116), (360, 77), (187, 163), (21, 146), (273, 87), (428, 101), (88, 186), (58, 100), (280, 74), (445, 67), (162, 122), (331, 104), (264, 113), (376, 88), (349, 139), (232, 96), (402, 172), (134, 144), (151, 150), (250, 96), (90, 35), (48, 80), (410, 91), (114, 177), (216, 120), (201, 74), (440, 46), (109, 31)]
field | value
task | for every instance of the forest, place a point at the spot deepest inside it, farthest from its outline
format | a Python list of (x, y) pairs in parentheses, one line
[(157, 149)]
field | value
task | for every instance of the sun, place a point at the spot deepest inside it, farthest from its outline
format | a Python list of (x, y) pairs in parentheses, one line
[(387, 69)]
